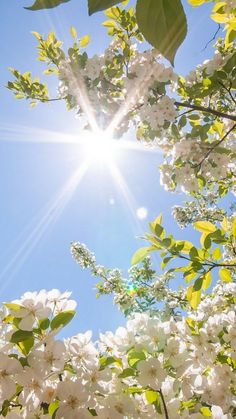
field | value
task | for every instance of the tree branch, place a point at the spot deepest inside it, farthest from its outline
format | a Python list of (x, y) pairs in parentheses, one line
[(206, 110), (164, 405)]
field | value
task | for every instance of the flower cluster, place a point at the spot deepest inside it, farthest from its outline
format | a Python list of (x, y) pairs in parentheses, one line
[(105, 85), (194, 160), (128, 87), (143, 290), (177, 368), (201, 209)]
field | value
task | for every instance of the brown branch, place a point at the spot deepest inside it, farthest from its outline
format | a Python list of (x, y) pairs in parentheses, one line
[(206, 110)]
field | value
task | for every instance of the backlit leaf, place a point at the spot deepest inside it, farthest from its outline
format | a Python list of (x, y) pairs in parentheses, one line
[(46, 4), (139, 255), (98, 5), (204, 226), (163, 24), (62, 319), (225, 275)]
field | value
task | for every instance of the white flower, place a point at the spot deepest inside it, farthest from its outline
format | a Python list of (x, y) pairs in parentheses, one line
[(9, 367), (33, 387), (34, 308), (151, 373), (73, 400), (217, 413), (49, 357)]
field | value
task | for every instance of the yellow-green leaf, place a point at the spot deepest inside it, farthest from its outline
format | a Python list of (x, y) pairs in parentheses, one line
[(204, 226), (225, 275), (205, 411), (207, 280), (193, 297), (73, 32), (216, 254), (109, 24), (84, 41), (187, 245), (139, 255), (196, 3), (234, 227)]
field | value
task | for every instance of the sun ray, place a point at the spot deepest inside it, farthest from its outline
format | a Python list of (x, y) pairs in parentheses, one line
[(138, 90), (127, 196), (51, 214), (31, 134)]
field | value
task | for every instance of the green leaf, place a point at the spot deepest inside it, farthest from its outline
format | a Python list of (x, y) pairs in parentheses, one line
[(163, 24), (128, 372), (204, 226), (187, 246), (198, 284), (134, 357), (26, 345), (92, 411), (21, 336), (98, 5), (225, 275), (104, 361), (44, 324), (139, 255), (53, 407), (62, 319), (46, 4)]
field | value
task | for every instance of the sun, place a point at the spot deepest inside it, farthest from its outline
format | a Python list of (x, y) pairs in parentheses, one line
[(100, 147)]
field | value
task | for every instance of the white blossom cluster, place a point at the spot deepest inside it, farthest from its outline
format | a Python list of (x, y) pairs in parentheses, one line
[(208, 67), (200, 157), (103, 87), (198, 210), (143, 290), (185, 366)]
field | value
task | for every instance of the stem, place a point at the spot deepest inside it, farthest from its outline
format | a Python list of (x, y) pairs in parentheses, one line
[(214, 146), (164, 405), (228, 90), (211, 264), (213, 38), (184, 113), (206, 110)]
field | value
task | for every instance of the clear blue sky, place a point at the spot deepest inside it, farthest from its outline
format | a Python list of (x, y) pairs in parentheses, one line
[(35, 251)]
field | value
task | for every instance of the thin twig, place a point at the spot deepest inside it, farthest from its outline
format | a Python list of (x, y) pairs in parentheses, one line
[(228, 90), (214, 146), (184, 113), (212, 39), (164, 405)]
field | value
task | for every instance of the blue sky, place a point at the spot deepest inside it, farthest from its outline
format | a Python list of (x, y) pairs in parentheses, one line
[(35, 236)]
